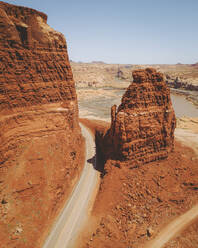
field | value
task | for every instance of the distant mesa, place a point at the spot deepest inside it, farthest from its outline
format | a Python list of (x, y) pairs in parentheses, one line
[(195, 65), (98, 62)]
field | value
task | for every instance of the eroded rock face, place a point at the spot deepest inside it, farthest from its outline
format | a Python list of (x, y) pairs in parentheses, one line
[(142, 129), (34, 61), (41, 147)]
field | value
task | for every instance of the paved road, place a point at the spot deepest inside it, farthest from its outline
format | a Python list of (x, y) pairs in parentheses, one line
[(71, 219)]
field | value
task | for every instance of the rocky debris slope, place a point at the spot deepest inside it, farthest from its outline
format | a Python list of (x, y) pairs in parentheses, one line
[(41, 147), (134, 204), (142, 128)]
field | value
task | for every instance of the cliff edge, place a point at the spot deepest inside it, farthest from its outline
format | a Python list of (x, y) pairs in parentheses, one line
[(41, 146)]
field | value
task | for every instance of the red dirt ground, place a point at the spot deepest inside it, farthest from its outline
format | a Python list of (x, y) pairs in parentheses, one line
[(134, 204)]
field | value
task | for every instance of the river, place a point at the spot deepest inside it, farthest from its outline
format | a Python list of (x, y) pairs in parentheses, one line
[(99, 107), (183, 107)]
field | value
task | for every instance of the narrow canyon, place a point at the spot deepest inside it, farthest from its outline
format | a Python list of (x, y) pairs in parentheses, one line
[(67, 158)]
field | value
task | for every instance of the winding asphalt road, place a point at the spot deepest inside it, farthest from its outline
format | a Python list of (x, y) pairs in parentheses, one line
[(70, 221)]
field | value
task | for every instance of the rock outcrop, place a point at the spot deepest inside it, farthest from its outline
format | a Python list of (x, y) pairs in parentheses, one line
[(41, 146), (182, 84), (142, 129)]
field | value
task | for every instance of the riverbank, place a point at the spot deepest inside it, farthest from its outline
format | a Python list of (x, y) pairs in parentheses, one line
[(191, 96), (181, 78), (95, 103)]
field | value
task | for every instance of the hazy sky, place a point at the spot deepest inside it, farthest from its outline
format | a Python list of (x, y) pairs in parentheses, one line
[(125, 31)]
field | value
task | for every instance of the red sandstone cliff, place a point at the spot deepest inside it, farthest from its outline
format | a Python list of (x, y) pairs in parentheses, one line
[(40, 139), (142, 129)]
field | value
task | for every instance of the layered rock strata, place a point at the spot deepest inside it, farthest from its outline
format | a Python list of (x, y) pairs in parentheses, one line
[(41, 147), (142, 128)]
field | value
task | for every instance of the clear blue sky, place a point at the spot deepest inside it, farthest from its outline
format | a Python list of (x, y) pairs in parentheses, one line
[(125, 31)]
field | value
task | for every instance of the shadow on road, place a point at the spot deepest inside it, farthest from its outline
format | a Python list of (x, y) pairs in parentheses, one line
[(96, 163)]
